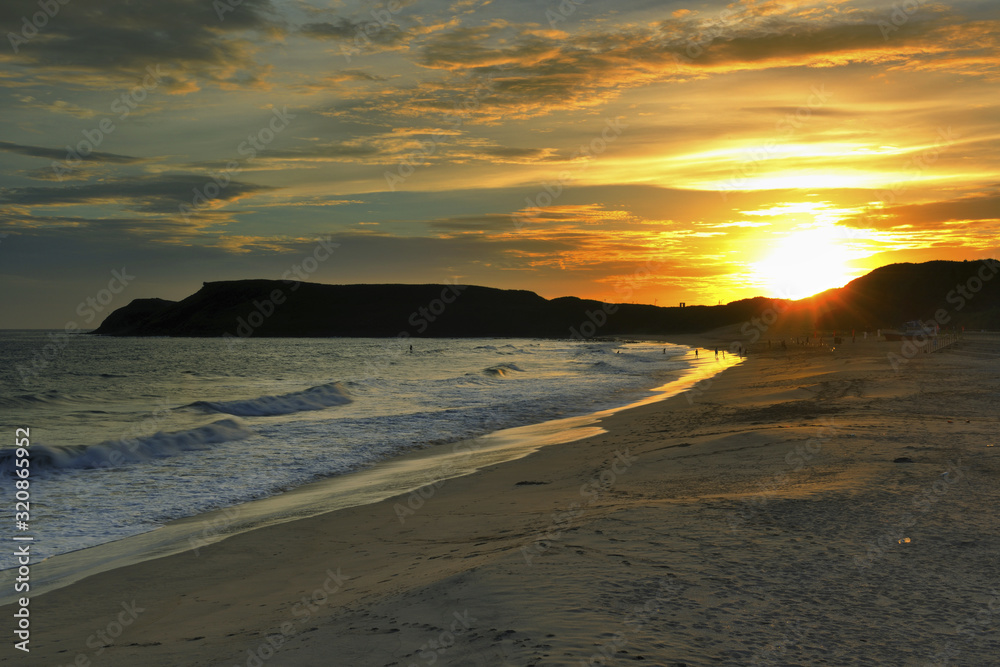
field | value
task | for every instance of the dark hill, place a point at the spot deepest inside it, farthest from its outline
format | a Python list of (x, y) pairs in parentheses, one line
[(965, 292), (282, 308), (960, 293)]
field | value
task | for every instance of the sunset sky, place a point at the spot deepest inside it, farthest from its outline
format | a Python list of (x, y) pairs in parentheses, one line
[(621, 150)]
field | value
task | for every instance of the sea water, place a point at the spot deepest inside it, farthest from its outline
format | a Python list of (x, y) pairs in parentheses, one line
[(129, 433)]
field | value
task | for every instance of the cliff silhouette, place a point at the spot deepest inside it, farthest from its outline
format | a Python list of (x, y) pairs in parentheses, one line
[(962, 293)]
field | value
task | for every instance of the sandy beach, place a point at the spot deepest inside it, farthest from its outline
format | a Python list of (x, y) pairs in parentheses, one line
[(809, 506)]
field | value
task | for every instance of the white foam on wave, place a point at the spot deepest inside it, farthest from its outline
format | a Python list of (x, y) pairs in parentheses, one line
[(114, 453), (502, 370), (401, 401), (314, 398), (50, 397)]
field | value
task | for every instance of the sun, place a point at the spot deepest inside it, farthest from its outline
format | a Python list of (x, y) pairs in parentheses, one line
[(805, 262)]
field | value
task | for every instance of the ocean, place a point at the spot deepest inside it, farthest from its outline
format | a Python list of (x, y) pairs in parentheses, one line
[(130, 433)]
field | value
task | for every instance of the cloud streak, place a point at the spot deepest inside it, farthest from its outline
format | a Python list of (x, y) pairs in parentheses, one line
[(147, 194), (60, 154)]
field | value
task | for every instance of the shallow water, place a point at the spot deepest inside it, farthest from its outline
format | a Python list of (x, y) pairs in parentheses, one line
[(129, 433)]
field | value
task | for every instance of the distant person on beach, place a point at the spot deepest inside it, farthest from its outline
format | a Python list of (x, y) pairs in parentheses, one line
[(716, 353), (411, 349), (695, 352)]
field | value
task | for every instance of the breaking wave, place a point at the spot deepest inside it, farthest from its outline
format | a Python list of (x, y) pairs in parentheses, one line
[(314, 398), (114, 453)]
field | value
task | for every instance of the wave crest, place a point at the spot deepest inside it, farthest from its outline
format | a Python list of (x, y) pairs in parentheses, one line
[(502, 370), (114, 453), (314, 398)]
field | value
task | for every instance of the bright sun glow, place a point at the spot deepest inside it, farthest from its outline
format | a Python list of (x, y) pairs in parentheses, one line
[(805, 262)]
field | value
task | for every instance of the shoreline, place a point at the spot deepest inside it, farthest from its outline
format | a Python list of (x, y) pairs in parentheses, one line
[(754, 523), (407, 472)]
